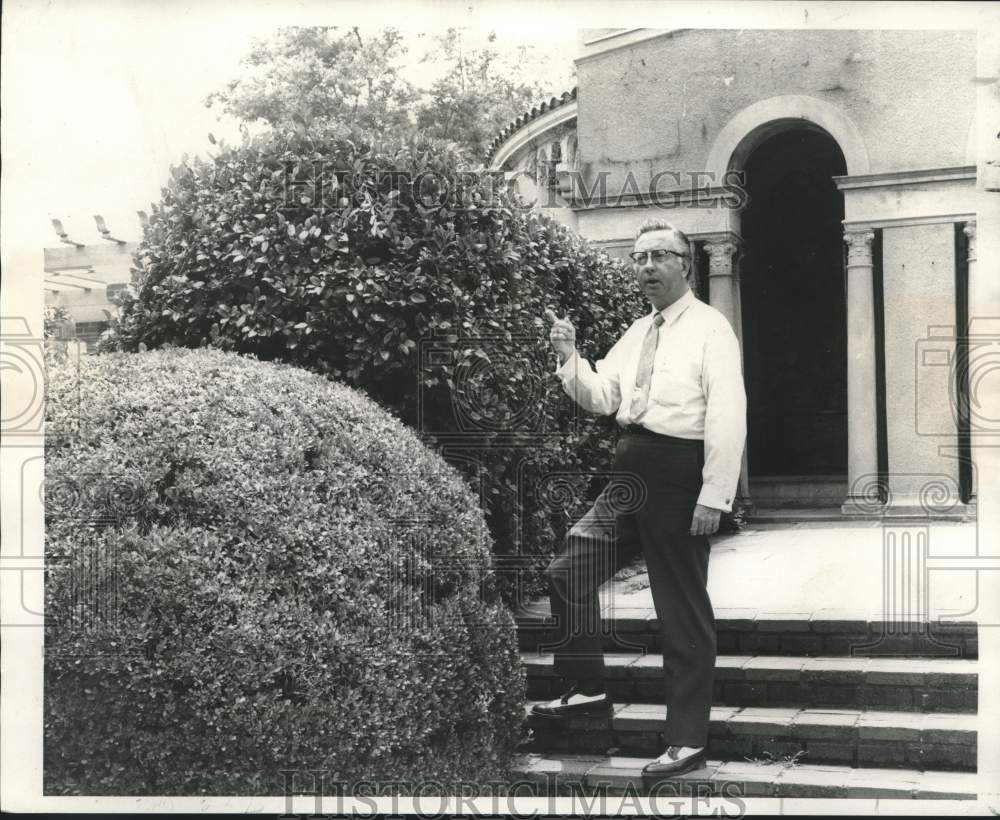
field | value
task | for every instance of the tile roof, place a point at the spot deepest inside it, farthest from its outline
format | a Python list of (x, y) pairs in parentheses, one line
[(526, 117)]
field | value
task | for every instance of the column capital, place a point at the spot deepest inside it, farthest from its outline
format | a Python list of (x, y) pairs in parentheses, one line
[(720, 256), (970, 231), (859, 247)]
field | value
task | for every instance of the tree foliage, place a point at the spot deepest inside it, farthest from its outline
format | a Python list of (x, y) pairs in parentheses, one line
[(416, 283), (356, 83), (480, 93), (324, 73)]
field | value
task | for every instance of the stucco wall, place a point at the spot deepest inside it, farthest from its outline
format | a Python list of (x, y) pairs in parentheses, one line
[(660, 104), (83, 306), (612, 224), (919, 288), (108, 264)]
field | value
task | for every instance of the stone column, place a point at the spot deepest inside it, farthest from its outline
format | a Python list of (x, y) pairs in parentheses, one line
[(724, 295), (721, 279), (862, 417)]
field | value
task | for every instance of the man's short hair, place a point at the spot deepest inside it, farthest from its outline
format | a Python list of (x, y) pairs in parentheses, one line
[(661, 225)]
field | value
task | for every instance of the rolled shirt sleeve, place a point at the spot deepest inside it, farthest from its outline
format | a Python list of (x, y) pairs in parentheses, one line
[(725, 418)]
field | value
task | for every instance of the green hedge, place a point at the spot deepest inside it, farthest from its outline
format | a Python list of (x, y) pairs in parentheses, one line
[(252, 569), (362, 288)]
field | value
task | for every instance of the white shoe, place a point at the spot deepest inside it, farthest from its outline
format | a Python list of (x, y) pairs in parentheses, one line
[(574, 703), (677, 760)]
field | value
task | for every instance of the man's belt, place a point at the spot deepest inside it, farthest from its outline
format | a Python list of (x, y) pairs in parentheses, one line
[(639, 430)]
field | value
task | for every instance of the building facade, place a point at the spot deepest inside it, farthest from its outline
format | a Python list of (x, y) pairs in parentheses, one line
[(82, 279), (828, 183)]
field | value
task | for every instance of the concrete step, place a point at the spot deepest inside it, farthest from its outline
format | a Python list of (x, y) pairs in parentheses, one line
[(825, 632), (898, 684), (813, 736), (803, 512), (799, 493), (734, 780), (791, 514)]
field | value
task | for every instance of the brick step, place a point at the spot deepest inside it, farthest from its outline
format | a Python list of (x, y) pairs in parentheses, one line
[(753, 632), (816, 736), (734, 780), (899, 684)]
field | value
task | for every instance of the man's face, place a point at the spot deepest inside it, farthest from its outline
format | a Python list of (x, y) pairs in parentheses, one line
[(663, 281)]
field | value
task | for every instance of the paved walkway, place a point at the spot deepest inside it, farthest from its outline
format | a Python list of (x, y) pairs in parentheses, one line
[(848, 567)]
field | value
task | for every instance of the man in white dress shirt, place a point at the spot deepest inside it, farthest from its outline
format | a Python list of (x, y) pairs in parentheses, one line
[(675, 384)]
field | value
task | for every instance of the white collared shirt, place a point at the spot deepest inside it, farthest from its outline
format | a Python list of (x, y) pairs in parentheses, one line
[(696, 391)]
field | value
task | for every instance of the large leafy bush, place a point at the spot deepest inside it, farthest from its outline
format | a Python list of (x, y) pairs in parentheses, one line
[(252, 569), (419, 284)]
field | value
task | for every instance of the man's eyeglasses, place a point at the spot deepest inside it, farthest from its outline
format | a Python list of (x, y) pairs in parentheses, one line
[(639, 257)]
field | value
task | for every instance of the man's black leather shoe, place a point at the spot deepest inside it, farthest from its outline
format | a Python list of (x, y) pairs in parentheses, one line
[(572, 703)]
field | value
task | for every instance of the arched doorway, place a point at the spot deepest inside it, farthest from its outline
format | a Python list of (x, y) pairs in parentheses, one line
[(794, 316)]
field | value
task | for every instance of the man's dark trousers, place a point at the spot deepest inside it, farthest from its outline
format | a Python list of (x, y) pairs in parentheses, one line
[(647, 505)]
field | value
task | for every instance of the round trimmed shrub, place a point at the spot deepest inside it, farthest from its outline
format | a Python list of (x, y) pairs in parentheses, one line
[(255, 569), (411, 280)]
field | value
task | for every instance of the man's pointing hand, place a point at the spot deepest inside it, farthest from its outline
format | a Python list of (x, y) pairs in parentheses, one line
[(562, 335)]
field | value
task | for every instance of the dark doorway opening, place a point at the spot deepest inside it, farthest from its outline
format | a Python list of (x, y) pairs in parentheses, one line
[(794, 314)]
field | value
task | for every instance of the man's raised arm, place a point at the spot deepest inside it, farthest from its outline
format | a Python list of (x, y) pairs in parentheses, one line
[(597, 392)]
